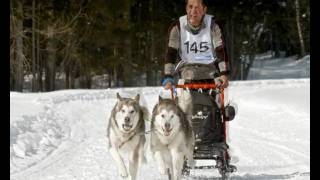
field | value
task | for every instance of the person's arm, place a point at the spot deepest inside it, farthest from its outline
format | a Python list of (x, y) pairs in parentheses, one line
[(222, 58), (173, 43)]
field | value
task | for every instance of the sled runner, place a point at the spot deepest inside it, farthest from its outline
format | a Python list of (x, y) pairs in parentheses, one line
[(213, 146)]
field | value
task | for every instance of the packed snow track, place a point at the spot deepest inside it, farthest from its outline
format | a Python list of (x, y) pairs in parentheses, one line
[(61, 135)]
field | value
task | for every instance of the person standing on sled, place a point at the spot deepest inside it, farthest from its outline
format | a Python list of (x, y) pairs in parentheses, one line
[(196, 40)]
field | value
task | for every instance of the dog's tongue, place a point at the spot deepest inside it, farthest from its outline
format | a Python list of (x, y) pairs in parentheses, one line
[(127, 126), (167, 132)]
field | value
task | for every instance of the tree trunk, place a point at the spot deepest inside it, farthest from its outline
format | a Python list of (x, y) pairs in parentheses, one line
[(50, 63), (88, 80), (66, 63), (253, 45), (234, 63), (115, 74), (12, 68), (34, 80), (72, 80), (115, 78), (149, 69), (248, 66), (297, 8), (276, 44), (109, 78), (39, 67), (67, 84), (39, 61), (149, 77), (19, 51)]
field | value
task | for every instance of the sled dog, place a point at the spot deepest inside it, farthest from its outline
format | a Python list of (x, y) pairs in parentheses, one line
[(171, 139), (125, 134)]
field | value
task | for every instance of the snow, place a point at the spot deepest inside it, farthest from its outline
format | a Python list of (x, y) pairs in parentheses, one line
[(60, 135), (279, 68)]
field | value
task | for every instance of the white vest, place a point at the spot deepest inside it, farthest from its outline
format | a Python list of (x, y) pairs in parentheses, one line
[(196, 48)]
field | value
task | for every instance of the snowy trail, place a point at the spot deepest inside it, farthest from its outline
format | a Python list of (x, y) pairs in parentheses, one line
[(269, 136)]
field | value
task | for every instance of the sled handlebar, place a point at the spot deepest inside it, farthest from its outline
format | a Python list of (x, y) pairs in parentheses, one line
[(203, 86), (198, 86)]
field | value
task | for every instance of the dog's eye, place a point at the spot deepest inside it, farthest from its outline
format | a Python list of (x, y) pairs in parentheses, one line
[(132, 111), (171, 116), (162, 115), (122, 111)]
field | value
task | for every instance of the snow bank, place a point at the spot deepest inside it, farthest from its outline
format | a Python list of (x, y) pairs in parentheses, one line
[(280, 68)]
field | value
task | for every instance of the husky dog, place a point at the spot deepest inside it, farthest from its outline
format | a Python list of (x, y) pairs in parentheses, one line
[(172, 138), (125, 133)]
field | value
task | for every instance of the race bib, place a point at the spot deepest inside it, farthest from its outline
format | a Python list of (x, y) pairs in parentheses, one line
[(196, 48)]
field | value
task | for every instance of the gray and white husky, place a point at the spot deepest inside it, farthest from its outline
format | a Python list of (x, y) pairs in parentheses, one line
[(125, 134), (172, 138)]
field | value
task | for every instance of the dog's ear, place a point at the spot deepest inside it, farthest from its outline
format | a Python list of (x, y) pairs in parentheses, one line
[(119, 97), (137, 98), (160, 98)]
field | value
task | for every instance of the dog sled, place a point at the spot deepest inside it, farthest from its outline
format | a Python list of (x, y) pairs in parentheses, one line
[(216, 149)]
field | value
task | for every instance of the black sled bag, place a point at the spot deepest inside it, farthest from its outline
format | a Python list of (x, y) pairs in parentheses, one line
[(206, 118)]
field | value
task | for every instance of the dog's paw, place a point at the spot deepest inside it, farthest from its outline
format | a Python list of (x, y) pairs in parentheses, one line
[(123, 173)]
